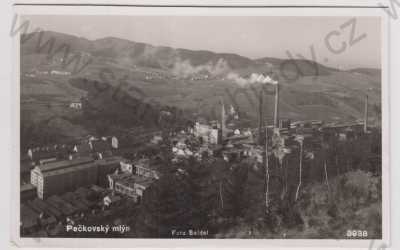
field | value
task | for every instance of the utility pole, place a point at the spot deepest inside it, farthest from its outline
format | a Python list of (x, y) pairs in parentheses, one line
[(266, 171)]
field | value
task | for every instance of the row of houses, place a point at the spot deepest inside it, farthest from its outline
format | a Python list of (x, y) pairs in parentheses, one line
[(71, 207), (91, 146)]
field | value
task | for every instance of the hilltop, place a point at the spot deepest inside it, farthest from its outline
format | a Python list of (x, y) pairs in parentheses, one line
[(193, 81)]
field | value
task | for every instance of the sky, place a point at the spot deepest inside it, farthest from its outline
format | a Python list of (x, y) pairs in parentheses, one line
[(253, 37)]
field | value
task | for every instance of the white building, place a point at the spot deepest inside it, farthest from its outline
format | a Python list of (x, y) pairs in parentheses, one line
[(206, 132), (126, 167), (61, 73), (75, 105)]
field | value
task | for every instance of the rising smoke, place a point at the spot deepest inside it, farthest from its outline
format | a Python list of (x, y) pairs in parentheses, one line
[(254, 78), (184, 68)]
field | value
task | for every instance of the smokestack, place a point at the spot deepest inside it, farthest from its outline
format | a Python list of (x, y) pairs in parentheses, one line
[(223, 119), (266, 183), (260, 117), (366, 114), (276, 111)]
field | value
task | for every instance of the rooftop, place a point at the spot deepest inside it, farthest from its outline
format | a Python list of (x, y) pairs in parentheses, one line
[(69, 169), (129, 180), (75, 200), (45, 207), (28, 216), (64, 164), (64, 206), (27, 187), (96, 188), (101, 145), (110, 160), (114, 198)]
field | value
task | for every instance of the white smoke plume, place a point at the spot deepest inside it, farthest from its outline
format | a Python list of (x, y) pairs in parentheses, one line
[(254, 78), (186, 69)]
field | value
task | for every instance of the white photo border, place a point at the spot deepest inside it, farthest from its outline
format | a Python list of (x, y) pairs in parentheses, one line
[(204, 11)]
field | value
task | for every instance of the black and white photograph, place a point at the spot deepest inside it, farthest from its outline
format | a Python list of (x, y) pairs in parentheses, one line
[(226, 126)]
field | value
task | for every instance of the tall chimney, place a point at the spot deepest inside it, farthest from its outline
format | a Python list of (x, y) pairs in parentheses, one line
[(223, 119), (266, 183), (366, 114), (260, 117), (276, 111)]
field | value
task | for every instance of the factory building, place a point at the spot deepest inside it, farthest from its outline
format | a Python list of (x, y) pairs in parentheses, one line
[(106, 166), (130, 185), (208, 133), (27, 192), (63, 176)]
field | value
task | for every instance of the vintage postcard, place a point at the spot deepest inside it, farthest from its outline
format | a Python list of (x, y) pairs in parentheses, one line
[(200, 124)]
